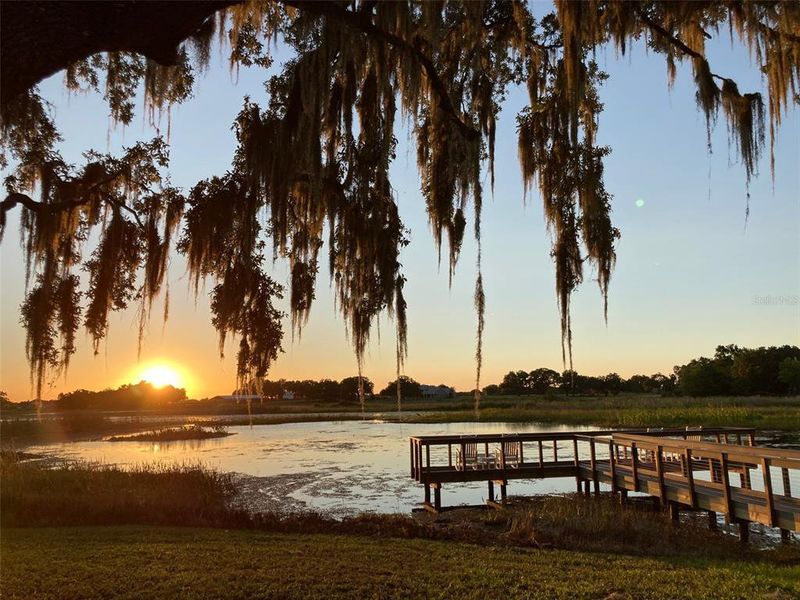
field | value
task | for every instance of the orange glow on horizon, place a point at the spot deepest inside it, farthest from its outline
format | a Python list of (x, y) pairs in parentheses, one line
[(160, 374)]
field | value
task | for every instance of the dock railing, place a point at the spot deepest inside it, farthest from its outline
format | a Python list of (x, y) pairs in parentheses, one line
[(436, 458), (745, 483), (719, 470)]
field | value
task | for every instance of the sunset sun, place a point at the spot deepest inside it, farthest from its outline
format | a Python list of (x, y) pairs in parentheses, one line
[(161, 375)]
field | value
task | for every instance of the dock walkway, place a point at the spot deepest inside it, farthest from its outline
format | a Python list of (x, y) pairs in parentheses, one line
[(718, 470)]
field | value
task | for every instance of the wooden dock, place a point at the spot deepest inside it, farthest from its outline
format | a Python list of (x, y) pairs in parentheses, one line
[(717, 470)]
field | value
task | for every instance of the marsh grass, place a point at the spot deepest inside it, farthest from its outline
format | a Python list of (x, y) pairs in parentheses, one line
[(600, 524), (631, 411), (80, 493), (35, 494), (173, 434)]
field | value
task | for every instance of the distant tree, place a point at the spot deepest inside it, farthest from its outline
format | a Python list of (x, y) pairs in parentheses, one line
[(638, 384), (348, 388), (408, 388), (492, 390), (273, 389), (542, 379), (789, 374), (515, 383), (663, 383), (575, 383), (612, 383), (328, 389), (704, 377)]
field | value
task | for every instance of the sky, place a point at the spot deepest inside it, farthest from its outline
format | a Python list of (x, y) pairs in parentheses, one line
[(692, 271)]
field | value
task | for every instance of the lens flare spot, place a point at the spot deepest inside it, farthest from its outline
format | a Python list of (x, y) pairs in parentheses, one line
[(639, 202)]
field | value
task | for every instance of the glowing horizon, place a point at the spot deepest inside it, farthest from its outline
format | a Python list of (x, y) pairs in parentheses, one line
[(160, 374)]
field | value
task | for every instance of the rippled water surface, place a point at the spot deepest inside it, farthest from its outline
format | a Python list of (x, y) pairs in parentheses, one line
[(337, 467), (340, 467)]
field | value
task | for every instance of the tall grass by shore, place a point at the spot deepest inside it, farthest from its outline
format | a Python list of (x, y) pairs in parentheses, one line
[(80, 493), (84, 494)]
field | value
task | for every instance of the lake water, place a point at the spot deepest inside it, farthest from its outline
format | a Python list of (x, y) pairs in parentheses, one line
[(336, 467)]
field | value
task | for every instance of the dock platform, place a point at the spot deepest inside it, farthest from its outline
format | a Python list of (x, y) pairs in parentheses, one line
[(718, 470)]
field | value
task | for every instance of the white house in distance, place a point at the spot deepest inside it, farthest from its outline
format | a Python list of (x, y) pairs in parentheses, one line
[(436, 391)]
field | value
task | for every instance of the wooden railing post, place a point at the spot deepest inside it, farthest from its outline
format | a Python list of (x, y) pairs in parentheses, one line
[(768, 492), (613, 464), (687, 456), (662, 490), (726, 484), (555, 450), (595, 481), (635, 466), (411, 453), (541, 459), (428, 457)]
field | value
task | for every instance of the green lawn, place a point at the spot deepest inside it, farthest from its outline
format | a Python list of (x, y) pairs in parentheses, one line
[(153, 562)]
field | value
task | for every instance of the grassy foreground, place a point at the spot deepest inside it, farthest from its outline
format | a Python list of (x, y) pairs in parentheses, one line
[(154, 562), (116, 537)]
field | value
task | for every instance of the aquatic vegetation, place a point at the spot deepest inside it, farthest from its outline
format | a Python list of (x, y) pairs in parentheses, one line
[(171, 434)]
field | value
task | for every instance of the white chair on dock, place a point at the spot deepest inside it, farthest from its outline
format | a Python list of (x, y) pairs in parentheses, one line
[(470, 458), (509, 455)]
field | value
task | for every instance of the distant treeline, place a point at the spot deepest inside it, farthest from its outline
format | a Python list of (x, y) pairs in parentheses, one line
[(138, 396), (329, 389), (324, 389), (548, 381), (733, 371)]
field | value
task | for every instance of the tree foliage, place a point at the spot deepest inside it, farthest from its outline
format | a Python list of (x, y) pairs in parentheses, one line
[(741, 371), (139, 396), (409, 388), (312, 164), (347, 389)]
